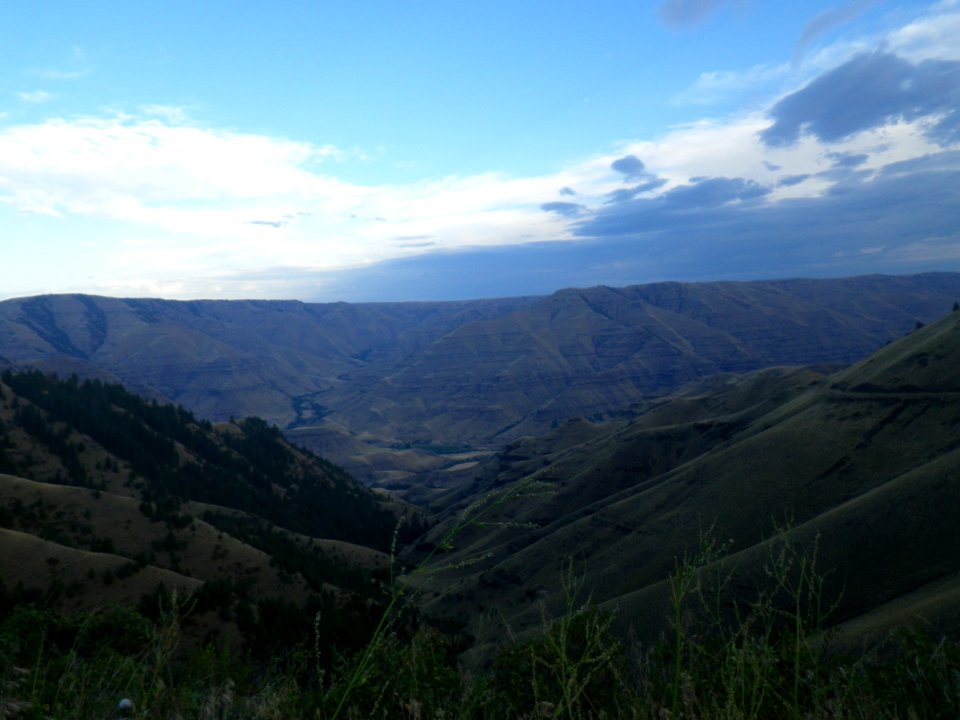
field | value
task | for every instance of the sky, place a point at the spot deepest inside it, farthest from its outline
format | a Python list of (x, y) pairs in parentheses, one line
[(395, 151)]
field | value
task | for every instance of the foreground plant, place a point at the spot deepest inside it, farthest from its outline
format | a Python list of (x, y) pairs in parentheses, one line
[(574, 668), (363, 675), (765, 655)]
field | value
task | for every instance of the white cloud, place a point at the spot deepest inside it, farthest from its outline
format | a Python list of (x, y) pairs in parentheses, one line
[(78, 66), (719, 85), (733, 149), (219, 199), (169, 113), (35, 97), (933, 36), (87, 165)]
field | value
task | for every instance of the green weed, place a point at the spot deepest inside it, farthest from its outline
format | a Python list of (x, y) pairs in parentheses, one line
[(730, 654)]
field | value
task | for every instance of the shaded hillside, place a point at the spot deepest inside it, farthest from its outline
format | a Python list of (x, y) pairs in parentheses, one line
[(226, 358), (587, 352), (467, 373), (868, 459), (106, 497)]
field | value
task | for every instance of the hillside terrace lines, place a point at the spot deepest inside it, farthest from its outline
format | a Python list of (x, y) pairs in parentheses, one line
[(872, 472), (905, 394), (477, 373)]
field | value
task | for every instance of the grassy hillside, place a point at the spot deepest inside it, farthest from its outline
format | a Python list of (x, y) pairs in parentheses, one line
[(866, 460), (108, 498)]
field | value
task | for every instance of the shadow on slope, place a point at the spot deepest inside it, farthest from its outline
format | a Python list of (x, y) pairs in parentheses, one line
[(867, 458), (130, 499)]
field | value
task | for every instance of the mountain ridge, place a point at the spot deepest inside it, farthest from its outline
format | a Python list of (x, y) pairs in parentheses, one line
[(468, 374)]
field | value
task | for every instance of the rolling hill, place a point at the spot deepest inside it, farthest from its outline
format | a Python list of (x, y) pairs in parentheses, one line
[(107, 498), (862, 464)]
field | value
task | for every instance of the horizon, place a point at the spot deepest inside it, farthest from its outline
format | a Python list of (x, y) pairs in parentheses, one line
[(327, 153), (492, 298)]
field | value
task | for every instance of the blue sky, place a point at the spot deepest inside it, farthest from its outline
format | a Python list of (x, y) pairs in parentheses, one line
[(414, 150)]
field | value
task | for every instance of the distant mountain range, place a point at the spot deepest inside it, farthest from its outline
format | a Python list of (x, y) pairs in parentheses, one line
[(863, 465), (392, 390)]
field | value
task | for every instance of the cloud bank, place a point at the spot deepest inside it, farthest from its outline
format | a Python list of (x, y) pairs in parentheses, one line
[(869, 91)]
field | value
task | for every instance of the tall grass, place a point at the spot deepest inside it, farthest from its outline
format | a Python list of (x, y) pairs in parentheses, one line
[(354, 678), (80, 667), (723, 656)]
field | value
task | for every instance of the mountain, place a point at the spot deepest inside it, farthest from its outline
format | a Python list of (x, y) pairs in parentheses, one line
[(402, 391), (859, 467), (223, 358), (109, 498)]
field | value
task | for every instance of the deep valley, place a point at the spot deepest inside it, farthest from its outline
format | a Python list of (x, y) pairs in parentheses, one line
[(482, 469)]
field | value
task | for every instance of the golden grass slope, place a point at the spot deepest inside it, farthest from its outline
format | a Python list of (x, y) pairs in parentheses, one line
[(71, 517), (39, 563), (114, 538)]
